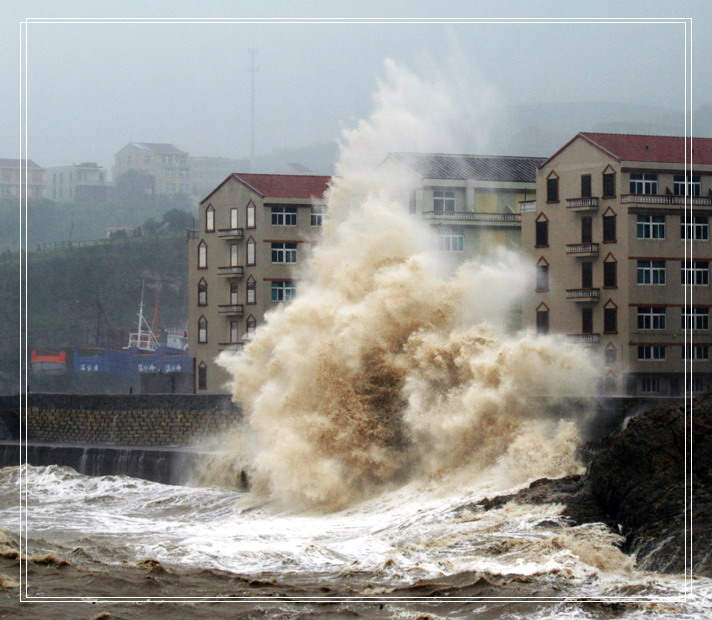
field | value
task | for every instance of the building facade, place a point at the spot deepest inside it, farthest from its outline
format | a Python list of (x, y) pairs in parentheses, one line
[(253, 231), (83, 183), (14, 173), (166, 166), (619, 233), (472, 201)]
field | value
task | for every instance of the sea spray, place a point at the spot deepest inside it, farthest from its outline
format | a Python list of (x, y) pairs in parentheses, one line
[(387, 365)]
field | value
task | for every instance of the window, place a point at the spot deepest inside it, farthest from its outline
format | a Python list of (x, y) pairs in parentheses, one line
[(609, 228), (233, 332), (250, 215), (695, 227), (609, 184), (284, 216), (317, 215), (202, 292), (695, 318), (651, 226), (610, 320), (251, 290), (542, 232), (586, 229), (451, 239), (587, 275), (650, 384), (542, 319), (696, 352), (651, 271), (610, 354), (250, 250), (233, 218), (552, 188), (651, 317), (586, 320), (183, 172), (202, 330), (651, 352), (167, 159), (695, 273), (643, 183), (609, 383), (542, 278), (202, 255), (210, 219), (233, 293), (283, 290), (251, 326), (610, 274), (283, 252), (202, 376), (233, 254), (443, 201), (170, 172), (697, 383), (585, 186), (694, 187)]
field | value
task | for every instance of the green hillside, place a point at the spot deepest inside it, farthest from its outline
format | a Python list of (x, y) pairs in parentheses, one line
[(90, 294)]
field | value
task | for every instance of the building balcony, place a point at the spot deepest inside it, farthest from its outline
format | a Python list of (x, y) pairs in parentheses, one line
[(191, 233), (527, 206), (666, 199), (231, 346), (582, 250), (582, 204), (234, 309), (231, 271), (230, 233), (584, 338), (583, 295), (473, 216)]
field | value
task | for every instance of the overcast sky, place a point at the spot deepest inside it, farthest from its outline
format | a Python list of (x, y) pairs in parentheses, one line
[(93, 87)]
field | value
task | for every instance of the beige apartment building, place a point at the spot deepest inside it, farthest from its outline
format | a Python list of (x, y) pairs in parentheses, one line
[(164, 165), (21, 178), (472, 201), (620, 236), (253, 231)]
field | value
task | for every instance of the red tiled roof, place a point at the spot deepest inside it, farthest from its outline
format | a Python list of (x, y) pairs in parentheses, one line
[(286, 185), (17, 163), (668, 149)]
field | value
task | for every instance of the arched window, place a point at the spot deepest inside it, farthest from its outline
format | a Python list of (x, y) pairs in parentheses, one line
[(552, 187), (610, 272), (542, 276), (251, 326), (610, 317), (202, 255), (202, 330), (250, 215), (250, 249), (202, 376), (202, 292), (609, 226), (610, 353), (609, 182), (251, 290), (542, 231), (210, 219), (542, 319)]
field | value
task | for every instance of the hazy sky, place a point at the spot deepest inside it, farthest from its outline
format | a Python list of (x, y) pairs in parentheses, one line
[(93, 87)]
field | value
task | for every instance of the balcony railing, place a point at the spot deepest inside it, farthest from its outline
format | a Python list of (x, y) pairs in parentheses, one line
[(231, 346), (582, 294), (527, 206), (231, 308), (582, 204), (582, 249), (233, 271), (584, 338), (666, 199), (230, 233), (472, 216)]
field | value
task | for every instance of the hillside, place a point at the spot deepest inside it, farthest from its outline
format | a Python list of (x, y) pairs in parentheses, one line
[(90, 295)]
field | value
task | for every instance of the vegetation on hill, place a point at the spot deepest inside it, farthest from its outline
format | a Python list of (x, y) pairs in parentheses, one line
[(89, 295)]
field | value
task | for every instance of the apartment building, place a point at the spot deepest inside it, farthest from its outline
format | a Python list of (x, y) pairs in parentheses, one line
[(254, 230), (21, 178), (471, 200), (83, 183), (619, 233), (164, 165)]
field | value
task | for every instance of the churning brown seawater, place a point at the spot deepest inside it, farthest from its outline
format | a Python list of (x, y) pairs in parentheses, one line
[(382, 404)]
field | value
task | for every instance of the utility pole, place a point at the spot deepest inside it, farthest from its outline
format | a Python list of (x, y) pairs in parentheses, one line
[(253, 70)]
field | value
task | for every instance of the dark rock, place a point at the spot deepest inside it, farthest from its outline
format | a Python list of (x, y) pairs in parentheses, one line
[(641, 479)]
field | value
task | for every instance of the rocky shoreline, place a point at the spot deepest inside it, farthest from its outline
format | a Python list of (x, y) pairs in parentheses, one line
[(641, 485)]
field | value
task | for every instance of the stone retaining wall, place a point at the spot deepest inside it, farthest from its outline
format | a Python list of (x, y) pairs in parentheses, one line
[(131, 420)]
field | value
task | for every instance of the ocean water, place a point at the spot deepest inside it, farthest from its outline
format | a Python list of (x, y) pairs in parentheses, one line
[(419, 549)]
